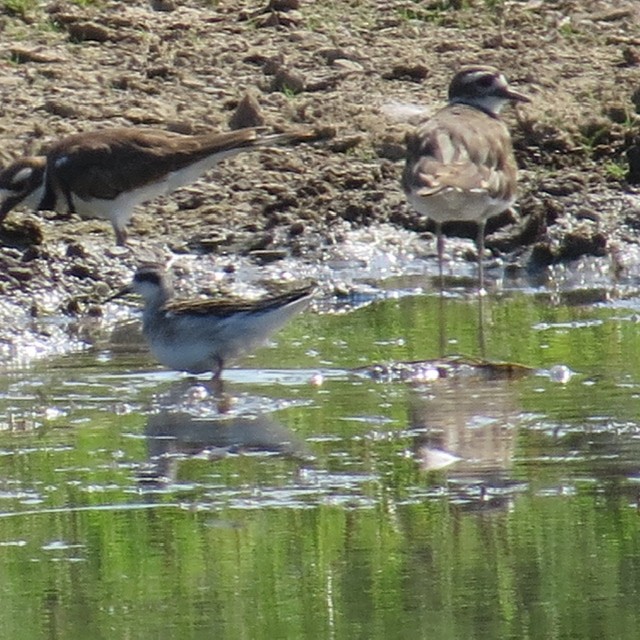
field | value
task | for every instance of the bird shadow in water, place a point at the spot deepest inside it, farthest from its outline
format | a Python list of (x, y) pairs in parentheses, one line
[(196, 419)]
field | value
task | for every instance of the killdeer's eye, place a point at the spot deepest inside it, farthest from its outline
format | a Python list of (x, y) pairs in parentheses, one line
[(485, 82)]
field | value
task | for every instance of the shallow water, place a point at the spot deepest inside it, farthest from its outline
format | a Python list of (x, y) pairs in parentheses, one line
[(321, 498)]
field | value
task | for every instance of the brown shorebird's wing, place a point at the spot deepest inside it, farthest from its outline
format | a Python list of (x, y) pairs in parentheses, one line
[(103, 164)]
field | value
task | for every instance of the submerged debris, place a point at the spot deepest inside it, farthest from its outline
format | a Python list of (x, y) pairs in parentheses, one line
[(447, 367)]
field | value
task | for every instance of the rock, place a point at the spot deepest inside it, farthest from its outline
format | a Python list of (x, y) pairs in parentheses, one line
[(24, 232), (33, 252), (296, 229), (114, 251), (617, 112), (348, 65), (344, 143), (283, 5), (584, 213), (265, 256), (631, 56), (633, 158), (631, 218), (184, 127), (278, 19), (246, 114), (541, 256), (287, 81), (269, 64), (582, 242), (62, 108), (391, 148), (334, 54), (410, 72), (137, 115), (163, 5), (159, 71), (83, 31), (21, 274), (39, 55), (76, 250), (562, 185)]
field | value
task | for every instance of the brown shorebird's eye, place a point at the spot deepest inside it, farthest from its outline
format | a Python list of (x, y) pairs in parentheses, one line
[(485, 81)]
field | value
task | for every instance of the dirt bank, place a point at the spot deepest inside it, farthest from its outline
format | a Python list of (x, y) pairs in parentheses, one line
[(69, 67)]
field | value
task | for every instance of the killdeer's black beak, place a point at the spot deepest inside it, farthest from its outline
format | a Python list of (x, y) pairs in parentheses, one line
[(126, 290), (516, 96)]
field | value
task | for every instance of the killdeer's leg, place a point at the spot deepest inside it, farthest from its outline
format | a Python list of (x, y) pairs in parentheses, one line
[(480, 250), (481, 290)]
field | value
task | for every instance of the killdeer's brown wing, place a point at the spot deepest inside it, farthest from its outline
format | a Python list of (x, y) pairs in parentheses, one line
[(226, 308), (460, 148), (103, 164)]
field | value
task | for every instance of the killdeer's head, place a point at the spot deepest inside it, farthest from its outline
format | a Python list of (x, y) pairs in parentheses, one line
[(22, 182), (484, 88)]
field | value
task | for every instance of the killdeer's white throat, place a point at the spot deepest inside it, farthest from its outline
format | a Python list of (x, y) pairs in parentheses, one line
[(199, 336), (107, 173), (460, 163)]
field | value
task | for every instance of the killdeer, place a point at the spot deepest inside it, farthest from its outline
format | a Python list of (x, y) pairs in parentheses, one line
[(200, 336), (105, 174), (460, 163)]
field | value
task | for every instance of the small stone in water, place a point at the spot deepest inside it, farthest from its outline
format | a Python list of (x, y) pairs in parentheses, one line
[(198, 392), (424, 374), (316, 380), (560, 373)]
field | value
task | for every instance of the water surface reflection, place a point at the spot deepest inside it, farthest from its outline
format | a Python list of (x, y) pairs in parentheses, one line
[(174, 436), (315, 500)]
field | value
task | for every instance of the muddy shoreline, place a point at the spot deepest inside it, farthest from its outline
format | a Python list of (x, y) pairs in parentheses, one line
[(69, 67)]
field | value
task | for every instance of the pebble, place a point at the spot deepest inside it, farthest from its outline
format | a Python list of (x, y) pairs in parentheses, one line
[(83, 31)]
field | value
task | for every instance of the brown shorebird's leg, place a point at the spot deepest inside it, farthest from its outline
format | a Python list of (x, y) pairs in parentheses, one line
[(216, 372), (441, 321), (442, 329), (216, 385), (121, 236), (440, 249)]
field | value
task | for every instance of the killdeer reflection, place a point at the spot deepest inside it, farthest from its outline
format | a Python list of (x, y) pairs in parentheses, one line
[(460, 163), (199, 336), (106, 173)]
